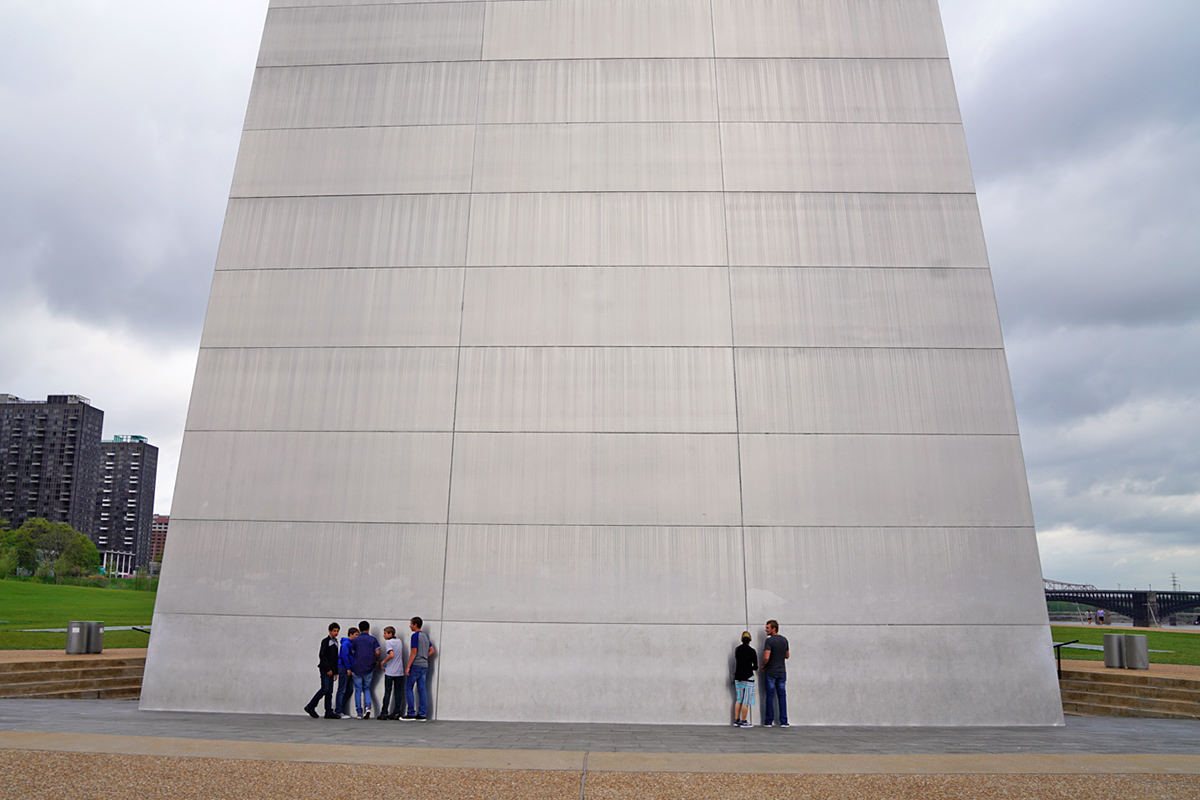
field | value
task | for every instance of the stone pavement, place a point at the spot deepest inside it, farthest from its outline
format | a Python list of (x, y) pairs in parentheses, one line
[(109, 749)]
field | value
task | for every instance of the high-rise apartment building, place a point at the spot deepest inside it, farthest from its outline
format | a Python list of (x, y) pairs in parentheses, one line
[(50, 459), (125, 502), (158, 535)]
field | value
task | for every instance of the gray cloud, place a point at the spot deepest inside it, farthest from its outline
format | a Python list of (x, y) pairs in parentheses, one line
[(1084, 129)]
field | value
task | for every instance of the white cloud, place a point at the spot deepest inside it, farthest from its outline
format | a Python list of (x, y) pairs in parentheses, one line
[(142, 384)]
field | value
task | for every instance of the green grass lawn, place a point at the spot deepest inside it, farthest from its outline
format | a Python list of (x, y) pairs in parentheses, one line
[(40, 605), (1185, 647)]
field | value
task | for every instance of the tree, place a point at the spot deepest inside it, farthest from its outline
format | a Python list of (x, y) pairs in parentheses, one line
[(50, 538), (79, 558), (22, 548)]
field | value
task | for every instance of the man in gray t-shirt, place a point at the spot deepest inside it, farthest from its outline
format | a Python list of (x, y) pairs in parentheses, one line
[(774, 670), (420, 649)]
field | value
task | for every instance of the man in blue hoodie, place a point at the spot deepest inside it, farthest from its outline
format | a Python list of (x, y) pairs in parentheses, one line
[(345, 676), (364, 652)]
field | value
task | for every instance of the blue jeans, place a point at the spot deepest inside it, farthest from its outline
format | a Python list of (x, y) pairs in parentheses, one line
[(393, 696), (344, 690), (416, 676), (362, 692), (326, 691), (774, 685)]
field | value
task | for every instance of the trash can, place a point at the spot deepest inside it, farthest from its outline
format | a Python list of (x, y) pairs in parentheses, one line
[(95, 637), (1114, 650), (1136, 651), (77, 638)]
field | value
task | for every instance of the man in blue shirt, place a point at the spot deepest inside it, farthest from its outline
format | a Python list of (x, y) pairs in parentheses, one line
[(364, 652)]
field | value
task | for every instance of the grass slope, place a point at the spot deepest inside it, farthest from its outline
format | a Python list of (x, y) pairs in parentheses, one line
[(1185, 646), (40, 605)]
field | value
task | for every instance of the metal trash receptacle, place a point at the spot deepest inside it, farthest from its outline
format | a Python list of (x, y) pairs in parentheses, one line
[(1136, 651), (95, 637), (77, 638), (1114, 650)]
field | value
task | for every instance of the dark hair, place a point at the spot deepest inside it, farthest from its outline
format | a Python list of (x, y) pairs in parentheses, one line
[(390, 629), (772, 624), (416, 621), (352, 631), (364, 626), (333, 626)]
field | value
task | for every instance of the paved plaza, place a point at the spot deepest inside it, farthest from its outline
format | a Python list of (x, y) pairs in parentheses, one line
[(110, 749)]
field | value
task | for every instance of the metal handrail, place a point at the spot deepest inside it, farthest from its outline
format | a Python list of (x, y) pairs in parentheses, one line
[(1058, 646)]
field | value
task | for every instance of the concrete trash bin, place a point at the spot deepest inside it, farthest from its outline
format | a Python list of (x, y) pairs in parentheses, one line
[(1136, 651), (77, 638), (1114, 650), (95, 637)]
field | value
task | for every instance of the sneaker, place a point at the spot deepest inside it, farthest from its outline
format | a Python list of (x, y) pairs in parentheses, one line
[(420, 718), (311, 712), (367, 714), (784, 725), (737, 723), (333, 715), (408, 718), (747, 724)]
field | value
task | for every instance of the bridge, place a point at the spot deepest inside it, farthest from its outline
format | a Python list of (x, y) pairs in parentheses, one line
[(1143, 606)]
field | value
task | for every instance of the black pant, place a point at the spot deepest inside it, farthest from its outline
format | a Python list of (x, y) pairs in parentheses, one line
[(392, 683), (325, 691)]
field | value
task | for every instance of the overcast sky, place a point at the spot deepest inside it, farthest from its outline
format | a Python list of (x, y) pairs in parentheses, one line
[(121, 123)]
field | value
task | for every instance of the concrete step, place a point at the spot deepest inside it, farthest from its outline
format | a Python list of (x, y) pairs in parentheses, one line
[(108, 693), (1128, 677), (56, 688), (74, 674), (1131, 690), (1113, 710), (1131, 701), (1127, 693), (67, 665)]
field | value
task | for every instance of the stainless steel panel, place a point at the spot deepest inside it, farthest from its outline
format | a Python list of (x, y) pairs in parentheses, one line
[(289, 569), (180, 671), (367, 34), (597, 479), (642, 229), (588, 664), (845, 157), (933, 675), (596, 389), (617, 90), (884, 480), (625, 575), (827, 29), (894, 576), (836, 90), (332, 161), (779, 307), (313, 477), (874, 390), (368, 231), (334, 308), (685, 306), (598, 29), (644, 156), (326, 389), (855, 230), (349, 95)]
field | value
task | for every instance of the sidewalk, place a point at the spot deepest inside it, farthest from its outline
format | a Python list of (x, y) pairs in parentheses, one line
[(106, 749)]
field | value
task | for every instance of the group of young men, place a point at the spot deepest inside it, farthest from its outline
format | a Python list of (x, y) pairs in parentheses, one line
[(353, 661), (774, 672)]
